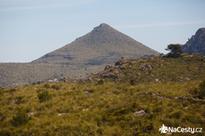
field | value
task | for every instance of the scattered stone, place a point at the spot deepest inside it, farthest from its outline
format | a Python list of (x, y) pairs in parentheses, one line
[(108, 75), (187, 79), (85, 109), (88, 91), (107, 67), (61, 114), (53, 80), (31, 114), (122, 61), (145, 67), (156, 80), (139, 113), (186, 107), (176, 97)]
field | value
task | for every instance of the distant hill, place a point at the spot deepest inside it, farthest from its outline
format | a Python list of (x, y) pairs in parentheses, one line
[(103, 45), (196, 44), (87, 54)]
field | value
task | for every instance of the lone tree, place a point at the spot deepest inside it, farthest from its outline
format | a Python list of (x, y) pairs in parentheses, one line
[(175, 50)]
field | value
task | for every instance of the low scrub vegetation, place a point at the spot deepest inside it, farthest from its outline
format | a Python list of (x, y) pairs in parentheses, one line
[(201, 90), (101, 109), (44, 96), (147, 94), (19, 119)]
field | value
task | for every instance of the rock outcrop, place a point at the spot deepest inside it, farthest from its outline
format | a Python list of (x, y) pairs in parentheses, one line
[(196, 44)]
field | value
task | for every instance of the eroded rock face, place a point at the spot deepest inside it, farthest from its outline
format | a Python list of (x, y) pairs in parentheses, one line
[(196, 44)]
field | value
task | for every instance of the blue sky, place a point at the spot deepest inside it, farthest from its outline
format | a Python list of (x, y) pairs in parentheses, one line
[(31, 28)]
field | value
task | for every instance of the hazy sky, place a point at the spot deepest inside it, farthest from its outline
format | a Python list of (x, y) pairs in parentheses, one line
[(31, 28)]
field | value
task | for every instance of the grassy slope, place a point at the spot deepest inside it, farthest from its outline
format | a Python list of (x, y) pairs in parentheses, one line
[(156, 68), (97, 108)]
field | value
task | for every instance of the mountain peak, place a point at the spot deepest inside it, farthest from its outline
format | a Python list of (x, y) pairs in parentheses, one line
[(196, 44), (103, 45), (200, 31), (103, 27)]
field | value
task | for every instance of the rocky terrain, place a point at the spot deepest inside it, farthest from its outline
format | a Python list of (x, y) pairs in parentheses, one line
[(196, 44), (87, 54), (155, 69)]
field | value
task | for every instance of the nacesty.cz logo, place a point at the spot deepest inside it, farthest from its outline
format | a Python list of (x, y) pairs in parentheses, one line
[(169, 130)]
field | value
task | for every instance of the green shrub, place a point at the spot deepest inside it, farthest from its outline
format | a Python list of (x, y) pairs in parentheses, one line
[(148, 128), (176, 115), (175, 50), (2, 117), (157, 109), (100, 82), (19, 99), (19, 119), (193, 119), (44, 96), (12, 90), (56, 87), (1, 89), (47, 86), (5, 133), (201, 89), (132, 82)]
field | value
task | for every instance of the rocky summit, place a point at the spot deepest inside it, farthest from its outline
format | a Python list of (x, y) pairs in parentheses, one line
[(196, 44)]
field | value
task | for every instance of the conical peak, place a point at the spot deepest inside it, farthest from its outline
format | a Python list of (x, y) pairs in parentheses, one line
[(102, 26)]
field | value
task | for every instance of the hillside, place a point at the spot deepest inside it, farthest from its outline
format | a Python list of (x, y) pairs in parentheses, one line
[(16, 74), (127, 104), (155, 69), (196, 44)]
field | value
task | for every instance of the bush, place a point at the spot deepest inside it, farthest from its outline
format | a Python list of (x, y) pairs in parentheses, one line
[(193, 119), (201, 90), (175, 50), (5, 133), (132, 82), (47, 86), (100, 82), (176, 115), (44, 96), (56, 87), (19, 119), (2, 117), (19, 99)]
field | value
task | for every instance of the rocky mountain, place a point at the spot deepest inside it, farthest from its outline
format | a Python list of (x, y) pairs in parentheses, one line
[(103, 45), (87, 54), (197, 43)]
